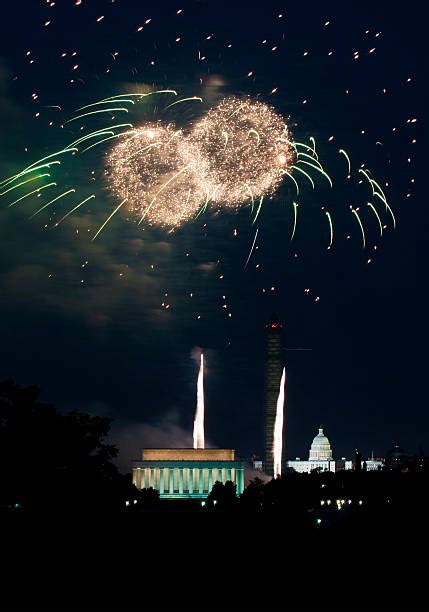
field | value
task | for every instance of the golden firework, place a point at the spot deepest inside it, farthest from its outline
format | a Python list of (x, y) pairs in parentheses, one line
[(148, 170), (238, 149)]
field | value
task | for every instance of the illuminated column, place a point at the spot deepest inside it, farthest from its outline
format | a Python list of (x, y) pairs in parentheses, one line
[(200, 480), (210, 479), (191, 480), (228, 474), (240, 481), (181, 481), (151, 471), (171, 480), (161, 481), (146, 478)]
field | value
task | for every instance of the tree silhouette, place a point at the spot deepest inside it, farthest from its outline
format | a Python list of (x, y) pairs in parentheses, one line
[(50, 460), (252, 498), (222, 496), (145, 499)]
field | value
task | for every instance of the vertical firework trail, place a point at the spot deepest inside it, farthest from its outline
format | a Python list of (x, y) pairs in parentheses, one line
[(278, 429), (199, 414)]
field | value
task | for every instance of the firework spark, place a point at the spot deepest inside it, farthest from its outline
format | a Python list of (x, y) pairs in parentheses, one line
[(199, 414), (251, 249), (295, 216), (331, 229), (278, 428), (39, 210), (361, 227)]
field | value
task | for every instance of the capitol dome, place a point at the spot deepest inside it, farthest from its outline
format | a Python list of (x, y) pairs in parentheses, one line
[(320, 449)]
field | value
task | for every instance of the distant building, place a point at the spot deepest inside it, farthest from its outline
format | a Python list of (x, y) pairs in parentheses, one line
[(371, 465), (397, 458), (320, 457), (180, 473)]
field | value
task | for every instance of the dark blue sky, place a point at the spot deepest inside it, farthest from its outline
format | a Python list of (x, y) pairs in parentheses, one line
[(97, 338)]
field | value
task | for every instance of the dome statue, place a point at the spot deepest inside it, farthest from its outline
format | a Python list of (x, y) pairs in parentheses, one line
[(320, 449)]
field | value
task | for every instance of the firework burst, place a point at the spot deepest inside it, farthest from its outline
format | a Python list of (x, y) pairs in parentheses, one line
[(237, 154), (148, 171), (237, 151)]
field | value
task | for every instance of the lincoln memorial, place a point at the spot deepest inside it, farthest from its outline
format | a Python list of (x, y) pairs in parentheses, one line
[(187, 472)]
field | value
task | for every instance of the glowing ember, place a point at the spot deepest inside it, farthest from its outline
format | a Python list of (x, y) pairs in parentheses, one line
[(278, 428), (199, 414)]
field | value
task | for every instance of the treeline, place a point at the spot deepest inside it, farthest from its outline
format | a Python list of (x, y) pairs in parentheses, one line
[(338, 500)]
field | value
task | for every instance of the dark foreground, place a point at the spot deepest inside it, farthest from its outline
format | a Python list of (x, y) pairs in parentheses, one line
[(196, 560)]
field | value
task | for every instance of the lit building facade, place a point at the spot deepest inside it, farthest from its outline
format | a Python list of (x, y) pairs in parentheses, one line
[(371, 465), (273, 374), (187, 473), (320, 457)]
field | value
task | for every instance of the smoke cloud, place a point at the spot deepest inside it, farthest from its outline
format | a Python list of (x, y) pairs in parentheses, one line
[(250, 474), (131, 438), (196, 354)]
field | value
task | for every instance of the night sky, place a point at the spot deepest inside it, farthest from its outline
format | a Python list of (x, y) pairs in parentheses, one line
[(88, 321)]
